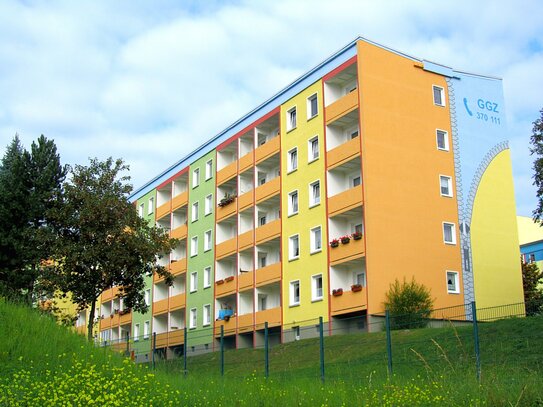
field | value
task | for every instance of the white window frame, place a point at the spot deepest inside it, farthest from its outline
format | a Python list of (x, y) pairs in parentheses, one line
[(310, 156), (449, 186), (146, 329), (356, 278), (208, 205), (292, 301), (193, 282), (206, 314), (147, 297), (207, 277), (207, 240), (193, 318), (453, 232), (314, 96), (195, 177), (312, 201), (352, 130), (445, 138), (290, 166), (290, 124), (151, 206), (136, 332), (194, 246), (141, 209), (209, 169), (442, 93), (314, 288), (195, 209), (291, 240), (290, 205), (456, 277), (312, 232)]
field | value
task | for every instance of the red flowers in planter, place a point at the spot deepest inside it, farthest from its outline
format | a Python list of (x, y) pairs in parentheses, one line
[(356, 287), (337, 292), (229, 278), (334, 243), (219, 282), (357, 235)]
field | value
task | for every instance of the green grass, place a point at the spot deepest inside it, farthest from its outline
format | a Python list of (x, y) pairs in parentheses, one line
[(44, 364)]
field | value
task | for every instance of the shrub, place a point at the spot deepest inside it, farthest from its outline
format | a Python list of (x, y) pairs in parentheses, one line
[(409, 304)]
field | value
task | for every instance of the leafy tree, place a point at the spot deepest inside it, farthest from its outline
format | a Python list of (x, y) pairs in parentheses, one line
[(409, 304), (536, 140), (102, 241), (533, 296)]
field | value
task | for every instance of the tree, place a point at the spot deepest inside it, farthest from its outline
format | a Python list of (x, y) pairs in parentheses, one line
[(536, 140), (409, 304), (102, 242), (533, 295)]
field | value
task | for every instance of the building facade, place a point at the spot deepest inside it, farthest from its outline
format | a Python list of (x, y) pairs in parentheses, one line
[(371, 167)]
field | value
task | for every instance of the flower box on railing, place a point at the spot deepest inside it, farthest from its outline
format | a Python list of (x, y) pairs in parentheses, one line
[(229, 278), (345, 239), (337, 292), (219, 282), (334, 243), (356, 287), (356, 235), (228, 199)]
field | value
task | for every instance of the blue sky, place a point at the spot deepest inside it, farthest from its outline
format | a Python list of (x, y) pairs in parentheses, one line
[(149, 81)]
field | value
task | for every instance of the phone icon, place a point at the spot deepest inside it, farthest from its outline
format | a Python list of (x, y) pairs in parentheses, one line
[(466, 106)]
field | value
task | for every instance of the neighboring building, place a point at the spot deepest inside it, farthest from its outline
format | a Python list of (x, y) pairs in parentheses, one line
[(530, 236), (407, 157)]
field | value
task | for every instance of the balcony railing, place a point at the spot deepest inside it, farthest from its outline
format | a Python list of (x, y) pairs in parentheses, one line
[(269, 274), (180, 200), (268, 190), (225, 286), (268, 231), (245, 280), (341, 107), (348, 301), (346, 252), (161, 306), (267, 150), (344, 201), (343, 153), (227, 172), (226, 248), (272, 316)]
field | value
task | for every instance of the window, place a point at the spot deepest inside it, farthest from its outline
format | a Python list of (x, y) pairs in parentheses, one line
[(262, 302), (207, 314), (194, 246), (262, 220), (294, 247), (355, 181), (208, 204), (196, 177), (316, 288), (207, 241), (352, 132), (442, 139), (151, 207), (147, 297), (193, 318), (312, 106), (195, 211), (449, 233), (294, 293), (262, 259), (445, 185), (146, 329), (193, 281), (291, 119), (140, 210), (316, 239), (357, 228), (360, 278), (207, 277), (293, 203), (532, 258), (136, 332), (292, 161), (439, 95), (351, 87), (209, 169), (453, 285), (314, 193), (313, 149)]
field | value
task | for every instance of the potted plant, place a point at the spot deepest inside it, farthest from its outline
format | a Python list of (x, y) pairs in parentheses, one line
[(227, 199), (229, 278), (356, 287), (219, 282), (357, 235), (345, 239), (334, 243), (337, 292)]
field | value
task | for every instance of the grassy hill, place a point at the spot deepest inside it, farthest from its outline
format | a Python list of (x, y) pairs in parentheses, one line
[(43, 364)]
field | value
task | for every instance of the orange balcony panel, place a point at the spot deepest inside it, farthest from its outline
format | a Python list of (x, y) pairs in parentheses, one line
[(245, 280), (245, 200), (341, 107), (105, 323), (163, 210), (345, 252), (271, 316), (159, 307), (343, 153), (268, 190), (227, 172), (82, 330), (180, 200), (162, 340), (246, 240), (125, 318), (245, 323), (268, 274), (178, 266), (229, 327), (245, 162), (176, 337), (268, 231), (227, 287), (114, 320), (267, 150), (107, 295), (224, 212), (179, 232), (345, 201), (115, 292), (157, 278), (349, 301), (177, 302), (226, 248)]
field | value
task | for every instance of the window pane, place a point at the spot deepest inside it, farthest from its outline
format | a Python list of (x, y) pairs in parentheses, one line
[(447, 233), (441, 140), (438, 96), (315, 148), (314, 108)]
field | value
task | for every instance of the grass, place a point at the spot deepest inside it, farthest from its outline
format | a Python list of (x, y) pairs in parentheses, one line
[(43, 364)]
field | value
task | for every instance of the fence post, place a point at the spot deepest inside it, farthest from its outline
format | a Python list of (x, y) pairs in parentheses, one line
[(185, 344), (266, 349), (222, 350), (476, 341), (154, 349), (389, 342), (321, 335), (128, 344)]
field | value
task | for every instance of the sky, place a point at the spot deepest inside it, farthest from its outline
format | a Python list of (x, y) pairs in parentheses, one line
[(150, 81)]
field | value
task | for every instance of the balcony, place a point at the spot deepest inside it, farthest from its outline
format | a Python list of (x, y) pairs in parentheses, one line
[(125, 318), (268, 231), (268, 149), (176, 337), (107, 295), (228, 286), (177, 302), (245, 280), (245, 323), (246, 240), (162, 340), (226, 248), (114, 320), (245, 200), (345, 201), (163, 210), (348, 302), (343, 153), (105, 323), (179, 232), (160, 307), (346, 252), (271, 316), (180, 200), (227, 172), (341, 107), (268, 274), (268, 190), (246, 162), (224, 212), (178, 266), (229, 326)]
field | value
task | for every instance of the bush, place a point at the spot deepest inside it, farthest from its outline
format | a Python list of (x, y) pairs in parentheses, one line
[(409, 304)]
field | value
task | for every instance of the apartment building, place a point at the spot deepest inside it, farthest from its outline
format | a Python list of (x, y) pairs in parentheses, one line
[(373, 166)]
